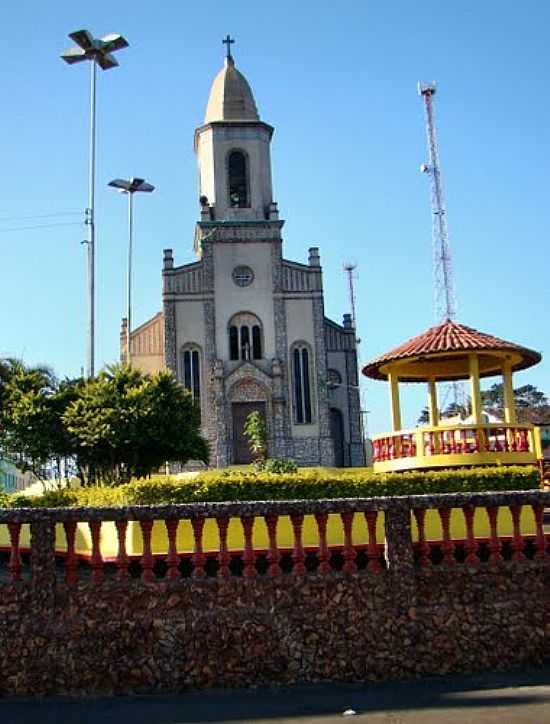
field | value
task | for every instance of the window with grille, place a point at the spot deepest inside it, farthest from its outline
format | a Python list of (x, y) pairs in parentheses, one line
[(301, 376), (191, 372), (245, 337)]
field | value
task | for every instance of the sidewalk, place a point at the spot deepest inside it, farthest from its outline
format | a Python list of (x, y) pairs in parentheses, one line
[(514, 697)]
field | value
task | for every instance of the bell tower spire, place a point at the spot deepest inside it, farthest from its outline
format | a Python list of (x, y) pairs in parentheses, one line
[(233, 152)]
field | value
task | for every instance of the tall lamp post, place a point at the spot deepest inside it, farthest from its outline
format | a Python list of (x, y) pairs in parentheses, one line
[(99, 51), (129, 188)]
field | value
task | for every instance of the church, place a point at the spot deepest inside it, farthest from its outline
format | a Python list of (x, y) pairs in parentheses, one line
[(242, 327)]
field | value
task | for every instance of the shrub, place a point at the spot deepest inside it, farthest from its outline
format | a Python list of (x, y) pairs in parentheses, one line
[(280, 465), (314, 484)]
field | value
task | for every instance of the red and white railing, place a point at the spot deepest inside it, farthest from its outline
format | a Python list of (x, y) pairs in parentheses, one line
[(374, 534), (455, 440)]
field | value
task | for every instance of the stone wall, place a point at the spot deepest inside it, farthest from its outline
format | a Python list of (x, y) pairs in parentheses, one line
[(133, 635)]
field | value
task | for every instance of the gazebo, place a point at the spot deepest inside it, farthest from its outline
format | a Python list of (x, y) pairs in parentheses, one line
[(446, 353)]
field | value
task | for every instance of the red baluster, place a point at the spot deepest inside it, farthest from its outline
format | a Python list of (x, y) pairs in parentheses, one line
[(465, 448), (324, 562), (376, 451), (452, 441), (524, 441), (172, 558), (476, 441), (147, 560), (431, 438), (273, 555), (249, 570), (513, 437), (349, 552), (540, 540), (224, 556), (71, 563), (373, 565), (198, 558), (471, 545), (14, 565), (494, 542), (423, 545), (391, 450), (448, 546), (122, 556), (298, 556), (517, 543), (96, 560)]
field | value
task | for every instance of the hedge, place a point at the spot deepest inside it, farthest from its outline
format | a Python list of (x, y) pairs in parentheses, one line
[(306, 484)]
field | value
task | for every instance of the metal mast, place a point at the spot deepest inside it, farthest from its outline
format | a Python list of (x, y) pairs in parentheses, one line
[(349, 269), (444, 293)]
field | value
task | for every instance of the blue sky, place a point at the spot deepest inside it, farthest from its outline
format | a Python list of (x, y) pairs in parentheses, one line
[(338, 82)]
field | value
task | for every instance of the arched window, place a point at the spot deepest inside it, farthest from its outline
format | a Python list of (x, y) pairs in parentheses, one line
[(301, 382), (245, 337), (191, 372), (238, 180)]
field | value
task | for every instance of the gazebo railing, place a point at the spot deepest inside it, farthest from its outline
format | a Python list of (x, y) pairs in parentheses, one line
[(461, 440)]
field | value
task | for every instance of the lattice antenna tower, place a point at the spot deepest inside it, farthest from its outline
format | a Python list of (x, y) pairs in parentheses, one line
[(444, 291)]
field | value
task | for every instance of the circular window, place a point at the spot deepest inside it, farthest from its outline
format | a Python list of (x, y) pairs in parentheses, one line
[(243, 276)]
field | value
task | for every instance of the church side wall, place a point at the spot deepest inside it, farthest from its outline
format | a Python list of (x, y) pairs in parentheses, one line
[(299, 325), (189, 327)]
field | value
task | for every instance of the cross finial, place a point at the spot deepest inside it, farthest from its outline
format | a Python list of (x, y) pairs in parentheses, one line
[(228, 40)]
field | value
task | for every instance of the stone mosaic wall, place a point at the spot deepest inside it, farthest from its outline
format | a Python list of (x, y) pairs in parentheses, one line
[(122, 636)]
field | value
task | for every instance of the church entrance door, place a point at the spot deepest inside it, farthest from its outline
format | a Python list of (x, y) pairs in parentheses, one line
[(240, 411)]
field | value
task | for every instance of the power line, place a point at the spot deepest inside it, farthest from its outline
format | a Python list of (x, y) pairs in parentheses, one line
[(40, 216), (42, 226)]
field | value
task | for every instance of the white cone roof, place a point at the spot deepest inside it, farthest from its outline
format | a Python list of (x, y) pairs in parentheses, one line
[(230, 97)]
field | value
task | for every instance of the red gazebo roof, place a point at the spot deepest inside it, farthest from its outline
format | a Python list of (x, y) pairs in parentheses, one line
[(453, 338)]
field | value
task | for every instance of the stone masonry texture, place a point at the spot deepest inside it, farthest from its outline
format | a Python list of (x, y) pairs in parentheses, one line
[(129, 636)]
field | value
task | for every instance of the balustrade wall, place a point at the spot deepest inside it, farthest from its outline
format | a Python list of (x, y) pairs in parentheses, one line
[(237, 594)]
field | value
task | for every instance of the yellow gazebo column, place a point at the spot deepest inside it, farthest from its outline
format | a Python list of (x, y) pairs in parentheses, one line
[(509, 401), (432, 403), (508, 388), (433, 411), (393, 380), (475, 394)]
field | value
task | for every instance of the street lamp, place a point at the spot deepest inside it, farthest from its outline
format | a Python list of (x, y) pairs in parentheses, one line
[(129, 188), (99, 51)]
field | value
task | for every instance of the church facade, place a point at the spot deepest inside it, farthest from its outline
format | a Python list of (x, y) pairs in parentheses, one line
[(242, 327)]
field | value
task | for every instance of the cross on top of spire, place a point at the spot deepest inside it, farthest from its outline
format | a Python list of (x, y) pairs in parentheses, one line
[(228, 40)]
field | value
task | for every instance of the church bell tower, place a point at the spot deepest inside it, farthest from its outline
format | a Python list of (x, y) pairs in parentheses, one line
[(233, 153)]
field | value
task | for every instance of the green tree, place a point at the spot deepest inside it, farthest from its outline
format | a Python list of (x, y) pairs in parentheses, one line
[(32, 435), (424, 417), (532, 405), (127, 424)]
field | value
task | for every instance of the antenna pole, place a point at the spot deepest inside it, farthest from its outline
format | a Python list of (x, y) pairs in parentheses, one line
[(444, 293), (349, 270)]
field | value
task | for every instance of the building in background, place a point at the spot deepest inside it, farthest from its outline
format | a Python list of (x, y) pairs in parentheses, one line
[(12, 479), (242, 327)]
